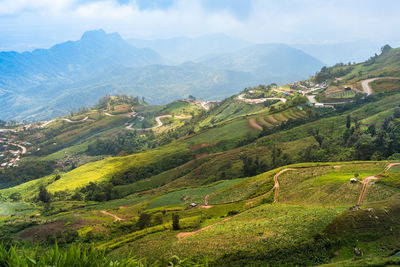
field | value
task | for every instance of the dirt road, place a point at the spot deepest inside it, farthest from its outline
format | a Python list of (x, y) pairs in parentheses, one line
[(259, 100), (68, 120), (365, 183), (63, 119), (116, 218), (367, 180), (276, 186), (23, 149), (365, 84), (181, 236), (159, 122)]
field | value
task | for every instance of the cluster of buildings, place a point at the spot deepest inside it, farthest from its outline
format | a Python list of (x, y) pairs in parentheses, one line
[(304, 87), (10, 153)]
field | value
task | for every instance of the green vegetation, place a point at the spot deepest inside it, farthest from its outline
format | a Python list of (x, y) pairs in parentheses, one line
[(237, 184)]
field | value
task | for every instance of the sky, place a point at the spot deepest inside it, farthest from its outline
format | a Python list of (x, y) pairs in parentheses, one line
[(28, 24)]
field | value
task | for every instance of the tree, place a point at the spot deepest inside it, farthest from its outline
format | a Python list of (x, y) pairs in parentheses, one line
[(315, 133), (175, 221), (371, 130), (396, 113), (144, 220), (386, 48), (44, 195), (348, 122), (15, 196)]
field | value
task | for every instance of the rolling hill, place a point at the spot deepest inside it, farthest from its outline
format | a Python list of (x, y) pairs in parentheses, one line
[(262, 177)]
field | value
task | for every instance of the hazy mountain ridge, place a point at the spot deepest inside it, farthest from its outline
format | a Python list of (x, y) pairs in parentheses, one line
[(180, 49), (263, 60), (50, 82)]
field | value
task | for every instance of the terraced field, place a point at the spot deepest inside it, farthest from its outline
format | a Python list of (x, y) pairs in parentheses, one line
[(272, 120)]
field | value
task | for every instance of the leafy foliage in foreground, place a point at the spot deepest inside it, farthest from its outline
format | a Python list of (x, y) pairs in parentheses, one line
[(77, 255)]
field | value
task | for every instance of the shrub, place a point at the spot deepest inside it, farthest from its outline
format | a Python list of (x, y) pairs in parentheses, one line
[(144, 220), (175, 221)]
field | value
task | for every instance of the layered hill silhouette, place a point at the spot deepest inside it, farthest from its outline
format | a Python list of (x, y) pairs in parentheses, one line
[(51, 82)]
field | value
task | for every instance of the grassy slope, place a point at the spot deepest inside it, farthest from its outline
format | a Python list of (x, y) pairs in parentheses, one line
[(311, 197)]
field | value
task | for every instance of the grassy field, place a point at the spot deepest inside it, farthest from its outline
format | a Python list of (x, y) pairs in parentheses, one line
[(385, 86), (190, 195), (266, 227), (102, 170), (17, 208)]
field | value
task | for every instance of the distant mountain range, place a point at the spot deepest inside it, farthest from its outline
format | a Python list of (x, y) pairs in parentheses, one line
[(181, 49), (331, 54), (50, 82)]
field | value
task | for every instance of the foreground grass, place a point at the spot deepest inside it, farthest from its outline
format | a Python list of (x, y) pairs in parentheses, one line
[(77, 255)]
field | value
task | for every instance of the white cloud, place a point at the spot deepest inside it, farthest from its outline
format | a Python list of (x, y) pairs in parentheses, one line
[(293, 21)]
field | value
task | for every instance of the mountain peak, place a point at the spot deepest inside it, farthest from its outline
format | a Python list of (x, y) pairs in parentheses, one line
[(98, 35)]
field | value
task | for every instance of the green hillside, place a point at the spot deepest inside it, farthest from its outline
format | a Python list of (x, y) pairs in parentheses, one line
[(264, 176)]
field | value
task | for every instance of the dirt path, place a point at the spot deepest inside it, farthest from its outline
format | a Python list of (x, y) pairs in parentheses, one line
[(63, 119), (159, 122), (365, 84), (259, 100), (68, 120), (181, 236), (365, 183), (276, 186), (116, 218), (23, 149), (367, 180), (390, 165), (255, 125), (47, 123)]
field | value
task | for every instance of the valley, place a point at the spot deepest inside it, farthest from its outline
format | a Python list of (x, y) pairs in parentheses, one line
[(304, 173)]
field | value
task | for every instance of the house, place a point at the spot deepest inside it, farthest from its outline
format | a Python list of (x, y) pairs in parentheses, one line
[(193, 205), (319, 105), (353, 180)]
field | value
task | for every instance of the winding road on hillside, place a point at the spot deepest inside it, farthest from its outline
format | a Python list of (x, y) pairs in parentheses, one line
[(365, 84), (365, 87), (259, 100), (63, 119), (23, 149), (367, 180), (159, 122), (183, 235)]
